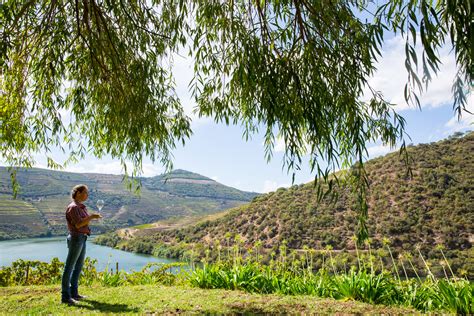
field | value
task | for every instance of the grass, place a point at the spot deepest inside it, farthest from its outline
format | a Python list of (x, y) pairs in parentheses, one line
[(160, 299)]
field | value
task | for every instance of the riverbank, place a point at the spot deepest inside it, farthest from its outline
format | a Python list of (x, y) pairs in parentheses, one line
[(45, 249), (160, 299)]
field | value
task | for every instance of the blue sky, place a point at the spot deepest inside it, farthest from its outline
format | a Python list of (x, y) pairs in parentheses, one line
[(221, 153)]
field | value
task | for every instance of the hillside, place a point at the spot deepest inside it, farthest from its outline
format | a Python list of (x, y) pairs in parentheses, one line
[(39, 207), (185, 183), (433, 207)]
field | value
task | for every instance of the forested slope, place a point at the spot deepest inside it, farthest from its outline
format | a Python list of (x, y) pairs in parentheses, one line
[(434, 207)]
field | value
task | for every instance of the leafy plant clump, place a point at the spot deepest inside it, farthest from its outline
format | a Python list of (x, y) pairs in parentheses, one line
[(364, 283), (23, 272)]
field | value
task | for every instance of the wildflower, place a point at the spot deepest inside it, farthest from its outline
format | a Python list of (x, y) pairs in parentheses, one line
[(368, 241), (439, 247)]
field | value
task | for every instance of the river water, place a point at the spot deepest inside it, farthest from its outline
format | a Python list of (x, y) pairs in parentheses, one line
[(45, 249)]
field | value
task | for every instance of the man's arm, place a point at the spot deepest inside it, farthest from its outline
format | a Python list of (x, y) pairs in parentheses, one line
[(86, 220)]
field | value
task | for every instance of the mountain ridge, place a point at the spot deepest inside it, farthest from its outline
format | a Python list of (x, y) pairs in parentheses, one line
[(44, 193)]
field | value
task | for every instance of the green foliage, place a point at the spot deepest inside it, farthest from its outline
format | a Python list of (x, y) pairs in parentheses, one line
[(42, 273), (433, 23), (89, 272), (152, 273), (297, 69), (364, 286), (458, 297), (107, 278), (108, 239), (31, 272), (89, 50), (294, 277)]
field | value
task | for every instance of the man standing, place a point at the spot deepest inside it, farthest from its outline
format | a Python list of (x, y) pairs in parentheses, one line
[(78, 225)]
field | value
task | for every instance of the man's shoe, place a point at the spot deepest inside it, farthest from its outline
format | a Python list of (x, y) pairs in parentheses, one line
[(79, 297), (69, 301)]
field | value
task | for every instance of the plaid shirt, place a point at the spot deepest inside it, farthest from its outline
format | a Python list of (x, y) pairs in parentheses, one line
[(75, 213)]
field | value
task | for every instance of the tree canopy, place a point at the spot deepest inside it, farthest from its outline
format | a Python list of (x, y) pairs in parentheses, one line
[(296, 68)]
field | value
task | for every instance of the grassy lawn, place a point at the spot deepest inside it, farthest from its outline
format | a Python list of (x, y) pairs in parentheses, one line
[(159, 299)]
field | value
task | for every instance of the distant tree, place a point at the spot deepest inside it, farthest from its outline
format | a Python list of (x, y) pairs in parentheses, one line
[(295, 68), (456, 135)]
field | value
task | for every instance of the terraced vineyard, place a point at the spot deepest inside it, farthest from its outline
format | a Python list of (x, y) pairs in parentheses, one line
[(52, 209), (20, 217), (180, 193)]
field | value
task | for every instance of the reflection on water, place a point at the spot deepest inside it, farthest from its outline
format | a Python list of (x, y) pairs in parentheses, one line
[(45, 249)]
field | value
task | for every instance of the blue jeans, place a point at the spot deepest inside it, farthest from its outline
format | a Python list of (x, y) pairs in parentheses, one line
[(73, 266)]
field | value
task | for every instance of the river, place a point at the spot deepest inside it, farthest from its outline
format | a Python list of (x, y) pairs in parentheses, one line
[(45, 249)]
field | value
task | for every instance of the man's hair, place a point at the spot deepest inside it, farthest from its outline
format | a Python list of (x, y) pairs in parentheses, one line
[(78, 189)]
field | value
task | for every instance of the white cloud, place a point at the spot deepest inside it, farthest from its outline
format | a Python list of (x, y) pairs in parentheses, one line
[(391, 76), (215, 178), (151, 170), (379, 150), (270, 186), (466, 121), (112, 167), (66, 117), (279, 145)]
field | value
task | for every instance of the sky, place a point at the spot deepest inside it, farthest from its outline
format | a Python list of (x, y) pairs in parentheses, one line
[(221, 153)]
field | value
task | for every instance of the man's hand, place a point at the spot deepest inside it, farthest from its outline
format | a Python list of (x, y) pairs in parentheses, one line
[(86, 220), (95, 216)]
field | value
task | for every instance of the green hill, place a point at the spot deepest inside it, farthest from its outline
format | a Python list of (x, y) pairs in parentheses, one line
[(433, 207), (181, 182), (44, 194)]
